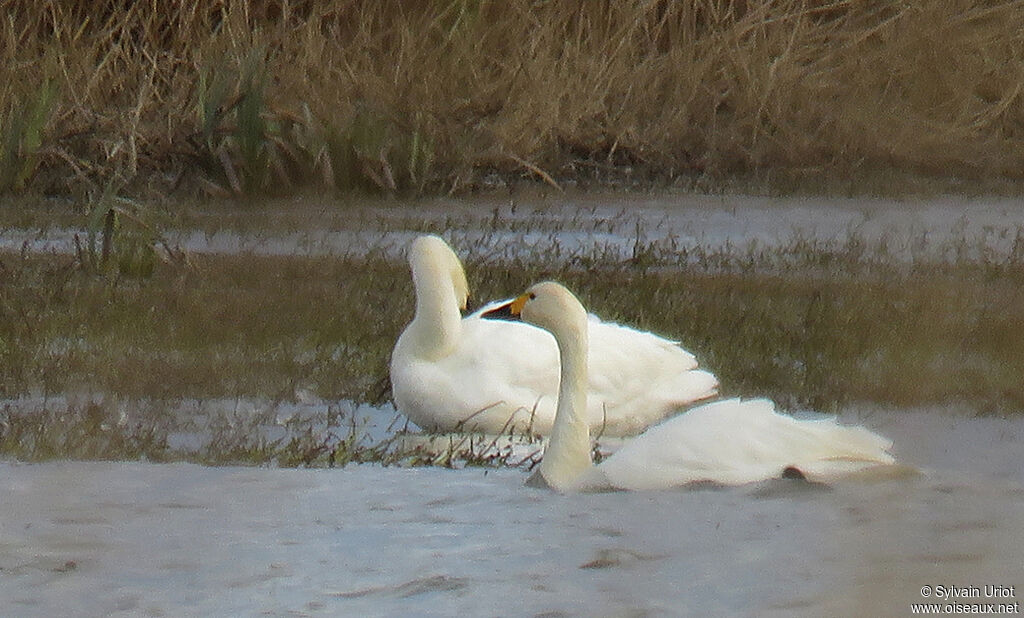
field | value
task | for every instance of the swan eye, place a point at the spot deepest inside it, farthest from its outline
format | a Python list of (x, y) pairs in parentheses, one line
[(532, 296)]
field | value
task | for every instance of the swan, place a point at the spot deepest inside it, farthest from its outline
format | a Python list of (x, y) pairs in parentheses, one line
[(728, 442), (450, 373)]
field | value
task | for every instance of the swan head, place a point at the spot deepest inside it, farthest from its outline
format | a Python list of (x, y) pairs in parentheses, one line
[(431, 253), (548, 305)]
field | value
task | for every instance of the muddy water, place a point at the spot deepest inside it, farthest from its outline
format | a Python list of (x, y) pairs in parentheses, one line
[(90, 539)]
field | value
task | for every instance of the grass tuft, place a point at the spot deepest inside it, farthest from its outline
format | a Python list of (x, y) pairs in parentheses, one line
[(21, 136)]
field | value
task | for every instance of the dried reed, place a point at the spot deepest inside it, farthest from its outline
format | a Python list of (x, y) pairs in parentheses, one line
[(249, 96)]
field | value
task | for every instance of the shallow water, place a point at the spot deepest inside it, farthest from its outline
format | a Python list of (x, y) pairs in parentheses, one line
[(610, 226), (140, 539)]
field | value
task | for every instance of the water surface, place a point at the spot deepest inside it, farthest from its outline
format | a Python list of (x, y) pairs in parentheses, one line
[(86, 539), (610, 226)]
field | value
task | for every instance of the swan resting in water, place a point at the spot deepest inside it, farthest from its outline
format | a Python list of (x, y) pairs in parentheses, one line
[(450, 373), (729, 442)]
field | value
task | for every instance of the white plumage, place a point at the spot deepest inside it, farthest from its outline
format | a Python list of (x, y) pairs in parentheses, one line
[(730, 442), (450, 373), (733, 442)]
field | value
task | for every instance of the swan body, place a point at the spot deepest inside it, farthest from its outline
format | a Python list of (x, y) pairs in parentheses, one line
[(729, 442), (450, 373)]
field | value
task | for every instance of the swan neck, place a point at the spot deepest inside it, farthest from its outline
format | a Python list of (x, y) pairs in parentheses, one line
[(567, 455), (437, 322)]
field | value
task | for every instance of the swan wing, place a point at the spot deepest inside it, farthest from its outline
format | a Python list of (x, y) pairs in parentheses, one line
[(734, 442), (637, 378), (500, 376)]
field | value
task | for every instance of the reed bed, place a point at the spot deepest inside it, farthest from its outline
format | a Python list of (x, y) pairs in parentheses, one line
[(249, 97)]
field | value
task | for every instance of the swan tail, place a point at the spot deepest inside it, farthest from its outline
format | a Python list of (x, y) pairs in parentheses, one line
[(848, 451), (858, 444), (696, 385)]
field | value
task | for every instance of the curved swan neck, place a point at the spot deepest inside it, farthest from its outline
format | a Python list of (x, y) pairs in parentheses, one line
[(567, 455), (437, 322)]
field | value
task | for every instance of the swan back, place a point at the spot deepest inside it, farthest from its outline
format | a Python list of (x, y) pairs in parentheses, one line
[(733, 442)]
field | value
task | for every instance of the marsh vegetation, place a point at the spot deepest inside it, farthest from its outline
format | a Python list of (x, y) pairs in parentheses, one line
[(814, 324), (250, 97), (116, 118)]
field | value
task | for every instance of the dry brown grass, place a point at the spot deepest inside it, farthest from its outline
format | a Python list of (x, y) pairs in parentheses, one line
[(434, 95)]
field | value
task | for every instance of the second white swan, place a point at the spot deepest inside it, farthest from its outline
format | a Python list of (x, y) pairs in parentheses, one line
[(450, 373), (730, 442)]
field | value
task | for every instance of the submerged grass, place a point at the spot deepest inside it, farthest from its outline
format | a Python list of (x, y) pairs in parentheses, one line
[(99, 428), (811, 325), (251, 97), (87, 431)]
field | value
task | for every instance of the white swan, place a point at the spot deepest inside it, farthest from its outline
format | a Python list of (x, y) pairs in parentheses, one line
[(450, 373), (729, 442)]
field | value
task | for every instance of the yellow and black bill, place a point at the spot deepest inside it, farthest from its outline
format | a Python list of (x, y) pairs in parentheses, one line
[(511, 310)]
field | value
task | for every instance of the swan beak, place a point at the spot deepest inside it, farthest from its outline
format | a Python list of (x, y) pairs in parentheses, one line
[(509, 311)]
